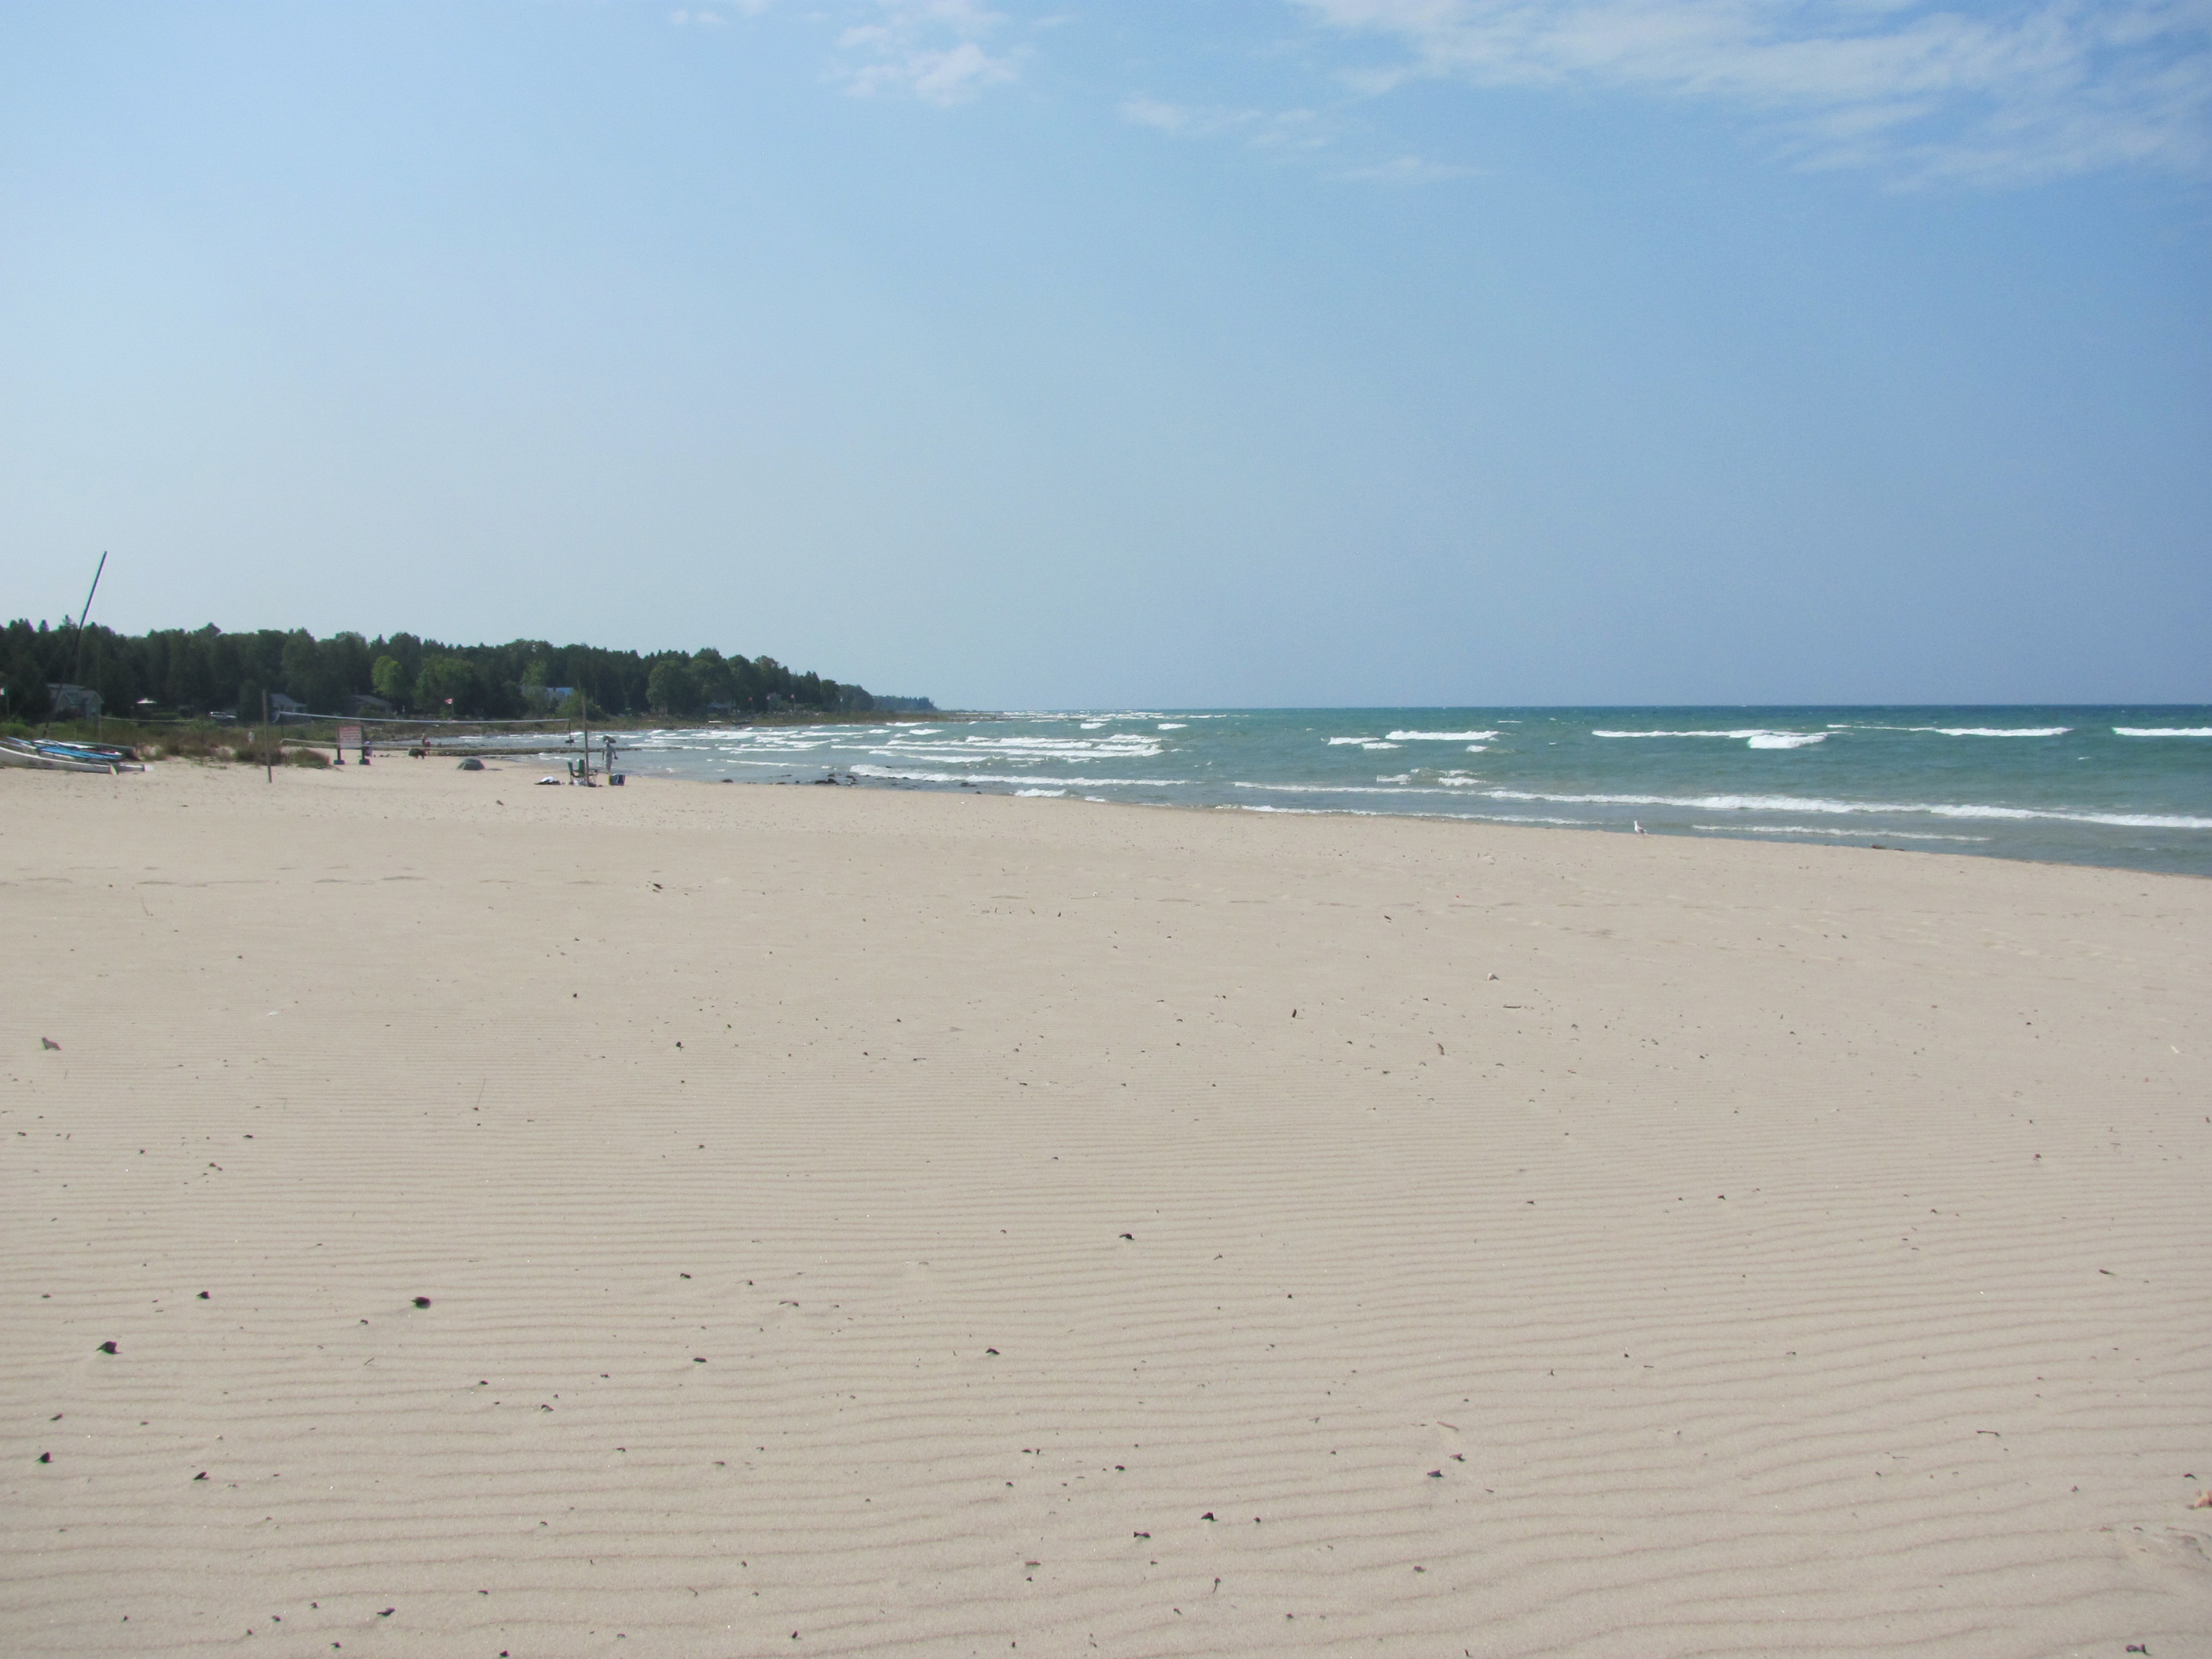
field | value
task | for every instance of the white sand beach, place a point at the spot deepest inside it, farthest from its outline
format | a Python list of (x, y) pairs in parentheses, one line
[(690, 1221)]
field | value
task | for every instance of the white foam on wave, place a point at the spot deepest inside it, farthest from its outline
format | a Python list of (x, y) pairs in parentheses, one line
[(1755, 737), (1173, 725), (1448, 817), (1381, 745), (1114, 743), (1800, 804), (1391, 787), (1336, 742), (1818, 829), (1048, 794), (973, 750), (1082, 715), (776, 740), (890, 774), (1959, 730), (1442, 737), (1785, 739), (2162, 731)]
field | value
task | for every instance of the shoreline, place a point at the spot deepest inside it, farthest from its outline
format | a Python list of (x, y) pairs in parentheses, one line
[(1886, 778), (1754, 836), (1910, 780), (920, 1220), (499, 762)]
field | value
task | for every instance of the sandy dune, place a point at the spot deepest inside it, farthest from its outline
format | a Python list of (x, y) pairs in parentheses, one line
[(867, 1222)]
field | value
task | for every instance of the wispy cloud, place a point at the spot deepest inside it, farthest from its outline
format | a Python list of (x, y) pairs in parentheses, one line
[(1262, 129), (933, 49), (1407, 170), (2004, 94), (704, 17)]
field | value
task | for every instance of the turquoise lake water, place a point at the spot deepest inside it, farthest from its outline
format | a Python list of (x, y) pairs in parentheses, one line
[(2124, 787)]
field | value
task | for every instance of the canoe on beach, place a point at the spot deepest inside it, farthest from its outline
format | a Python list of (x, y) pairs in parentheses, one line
[(46, 755)]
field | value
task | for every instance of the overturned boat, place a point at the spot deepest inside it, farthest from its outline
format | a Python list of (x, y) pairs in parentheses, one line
[(46, 754)]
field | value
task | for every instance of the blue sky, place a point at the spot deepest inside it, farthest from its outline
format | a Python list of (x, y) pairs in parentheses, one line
[(1261, 352)]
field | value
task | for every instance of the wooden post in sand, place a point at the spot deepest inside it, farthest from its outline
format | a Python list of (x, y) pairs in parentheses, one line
[(268, 758)]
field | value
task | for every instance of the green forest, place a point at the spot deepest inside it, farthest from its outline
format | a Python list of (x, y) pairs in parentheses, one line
[(206, 672)]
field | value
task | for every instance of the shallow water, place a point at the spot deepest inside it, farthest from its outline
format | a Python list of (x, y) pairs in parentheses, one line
[(2127, 787)]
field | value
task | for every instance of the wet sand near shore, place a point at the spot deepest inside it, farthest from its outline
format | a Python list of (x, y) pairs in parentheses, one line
[(446, 1216)]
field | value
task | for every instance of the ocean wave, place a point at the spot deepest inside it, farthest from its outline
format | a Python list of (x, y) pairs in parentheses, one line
[(1960, 731), (1173, 725), (1335, 743), (1799, 804), (1082, 714), (1448, 817), (1442, 737), (766, 740), (974, 750), (1349, 788), (1108, 744), (1817, 829), (1048, 794), (1754, 737), (889, 775), (2163, 731)]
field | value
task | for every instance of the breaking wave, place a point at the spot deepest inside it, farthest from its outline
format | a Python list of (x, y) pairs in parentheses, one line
[(1799, 804), (1818, 829), (1752, 737), (892, 775)]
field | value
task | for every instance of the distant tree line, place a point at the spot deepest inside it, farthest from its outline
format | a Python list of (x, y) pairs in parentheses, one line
[(205, 670)]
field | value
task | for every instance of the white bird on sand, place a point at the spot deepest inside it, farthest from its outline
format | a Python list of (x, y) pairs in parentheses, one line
[(1637, 824)]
